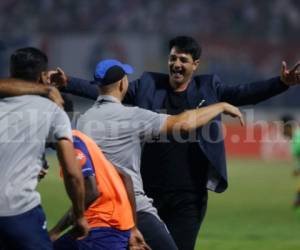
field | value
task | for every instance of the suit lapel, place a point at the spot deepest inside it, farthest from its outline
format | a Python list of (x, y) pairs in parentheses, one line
[(158, 100), (194, 95)]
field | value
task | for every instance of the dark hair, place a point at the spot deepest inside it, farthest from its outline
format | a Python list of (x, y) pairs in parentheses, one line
[(187, 45), (28, 63)]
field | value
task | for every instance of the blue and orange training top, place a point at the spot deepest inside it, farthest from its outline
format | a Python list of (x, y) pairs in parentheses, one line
[(112, 208)]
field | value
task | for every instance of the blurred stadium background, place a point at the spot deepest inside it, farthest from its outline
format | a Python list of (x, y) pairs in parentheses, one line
[(242, 41)]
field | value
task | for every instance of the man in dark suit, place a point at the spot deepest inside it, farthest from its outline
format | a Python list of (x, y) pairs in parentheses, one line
[(178, 173)]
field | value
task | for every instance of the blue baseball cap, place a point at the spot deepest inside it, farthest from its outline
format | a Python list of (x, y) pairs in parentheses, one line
[(110, 71)]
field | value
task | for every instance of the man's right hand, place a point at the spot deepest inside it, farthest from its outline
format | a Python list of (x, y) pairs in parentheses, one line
[(233, 111), (57, 78), (80, 229)]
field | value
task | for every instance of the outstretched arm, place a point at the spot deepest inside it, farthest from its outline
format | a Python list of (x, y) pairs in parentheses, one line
[(80, 87), (85, 88), (193, 119), (56, 79), (16, 87), (253, 93), (73, 85)]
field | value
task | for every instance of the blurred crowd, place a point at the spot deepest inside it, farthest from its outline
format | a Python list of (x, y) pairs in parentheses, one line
[(243, 40), (277, 19)]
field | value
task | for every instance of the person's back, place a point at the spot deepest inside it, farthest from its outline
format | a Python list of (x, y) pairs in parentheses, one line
[(25, 124), (119, 132), (108, 209), (112, 208)]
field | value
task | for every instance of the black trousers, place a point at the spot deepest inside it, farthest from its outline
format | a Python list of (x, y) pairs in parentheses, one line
[(155, 232), (183, 213)]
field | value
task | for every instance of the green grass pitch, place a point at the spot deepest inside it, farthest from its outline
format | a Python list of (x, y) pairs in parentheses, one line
[(255, 213)]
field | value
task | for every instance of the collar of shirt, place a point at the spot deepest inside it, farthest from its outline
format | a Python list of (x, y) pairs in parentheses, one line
[(107, 98)]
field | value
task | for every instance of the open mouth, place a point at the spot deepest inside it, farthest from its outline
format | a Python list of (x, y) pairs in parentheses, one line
[(177, 73)]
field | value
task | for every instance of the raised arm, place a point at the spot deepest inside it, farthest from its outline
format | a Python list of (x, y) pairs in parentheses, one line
[(85, 88), (248, 93), (73, 85), (252, 93), (80, 87), (193, 119)]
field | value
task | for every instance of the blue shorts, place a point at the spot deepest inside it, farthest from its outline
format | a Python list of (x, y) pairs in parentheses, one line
[(101, 238), (26, 231)]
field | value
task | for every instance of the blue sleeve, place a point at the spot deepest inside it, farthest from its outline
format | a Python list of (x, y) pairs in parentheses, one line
[(83, 88), (83, 156), (250, 93)]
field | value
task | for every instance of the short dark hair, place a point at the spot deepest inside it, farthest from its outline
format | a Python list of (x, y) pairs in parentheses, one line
[(187, 45), (28, 63)]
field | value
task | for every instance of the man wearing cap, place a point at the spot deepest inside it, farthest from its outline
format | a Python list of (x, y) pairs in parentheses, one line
[(109, 212), (120, 130), (109, 204)]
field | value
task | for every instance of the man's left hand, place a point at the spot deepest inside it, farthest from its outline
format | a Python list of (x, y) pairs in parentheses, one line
[(290, 76)]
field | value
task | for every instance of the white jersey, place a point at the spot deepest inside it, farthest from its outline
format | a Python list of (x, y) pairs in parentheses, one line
[(26, 123)]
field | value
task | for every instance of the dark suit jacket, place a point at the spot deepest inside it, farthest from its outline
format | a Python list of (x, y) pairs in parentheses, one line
[(149, 92)]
